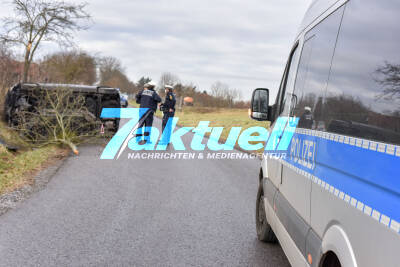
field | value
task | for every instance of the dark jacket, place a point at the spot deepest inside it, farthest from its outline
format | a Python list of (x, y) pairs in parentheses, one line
[(148, 98), (170, 102)]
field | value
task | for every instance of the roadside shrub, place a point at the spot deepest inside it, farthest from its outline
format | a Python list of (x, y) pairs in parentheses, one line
[(55, 117)]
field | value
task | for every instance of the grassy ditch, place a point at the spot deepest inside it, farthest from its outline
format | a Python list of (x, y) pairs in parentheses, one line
[(18, 168)]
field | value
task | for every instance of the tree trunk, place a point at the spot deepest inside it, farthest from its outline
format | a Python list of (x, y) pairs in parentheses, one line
[(27, 63)]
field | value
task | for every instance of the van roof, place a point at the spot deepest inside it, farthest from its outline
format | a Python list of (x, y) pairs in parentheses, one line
[(316, 9)]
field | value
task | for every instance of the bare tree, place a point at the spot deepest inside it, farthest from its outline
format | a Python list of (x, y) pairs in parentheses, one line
[(8, 68), (218, 89), (230, 95), (142, 81), (223, 95), (108, 66), (60, 117), (35, 21), (113, 74), (388, 76), (168, 78), (8, 73), (69, 67)]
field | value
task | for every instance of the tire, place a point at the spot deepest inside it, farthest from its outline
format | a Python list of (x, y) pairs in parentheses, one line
[(264, 230), (6, 115), (14, 118), (112, 104), (116, 125), (91, 105)]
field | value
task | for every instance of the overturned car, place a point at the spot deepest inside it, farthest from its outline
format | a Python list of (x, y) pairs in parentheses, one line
[(26, 99)]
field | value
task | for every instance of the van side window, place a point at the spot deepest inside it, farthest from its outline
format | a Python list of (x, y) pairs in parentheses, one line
[(313, 72), (363, 95), (289, 82), (286, 86)]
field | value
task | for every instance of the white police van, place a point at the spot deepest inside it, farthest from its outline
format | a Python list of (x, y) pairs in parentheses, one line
[(332, 197)]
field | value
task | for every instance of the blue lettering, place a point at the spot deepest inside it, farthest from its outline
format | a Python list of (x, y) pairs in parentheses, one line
[(247, 137), (213, 142)]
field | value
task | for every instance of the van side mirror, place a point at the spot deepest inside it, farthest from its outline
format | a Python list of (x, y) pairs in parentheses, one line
[(260, 105)]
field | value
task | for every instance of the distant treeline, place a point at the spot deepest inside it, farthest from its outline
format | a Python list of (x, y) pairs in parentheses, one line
[(80, 67)]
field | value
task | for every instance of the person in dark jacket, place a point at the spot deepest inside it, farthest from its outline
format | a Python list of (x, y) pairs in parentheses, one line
[(148, 98), (306, 119), (168, 108)]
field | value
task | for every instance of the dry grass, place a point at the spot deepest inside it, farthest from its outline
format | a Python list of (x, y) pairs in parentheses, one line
[(227, 118), (17, 169), (218, 117)]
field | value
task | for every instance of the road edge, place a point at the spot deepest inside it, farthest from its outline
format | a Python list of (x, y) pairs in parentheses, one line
[(13, 199)]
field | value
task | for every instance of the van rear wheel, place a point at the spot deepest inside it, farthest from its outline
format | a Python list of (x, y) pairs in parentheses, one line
[(264, 230)]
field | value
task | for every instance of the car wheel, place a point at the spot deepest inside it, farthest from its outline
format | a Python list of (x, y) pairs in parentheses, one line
[(7, 117), (264, 230), (116, 125), (91, 105), (112, 104)]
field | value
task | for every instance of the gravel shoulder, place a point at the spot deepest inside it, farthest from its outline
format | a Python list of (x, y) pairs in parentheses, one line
[(12, 199)]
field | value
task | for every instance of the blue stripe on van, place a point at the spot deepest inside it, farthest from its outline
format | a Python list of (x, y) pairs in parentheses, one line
[(371, 177)]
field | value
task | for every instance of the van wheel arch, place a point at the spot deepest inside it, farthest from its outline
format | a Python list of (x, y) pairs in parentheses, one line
[(329, 259), (336, 242)]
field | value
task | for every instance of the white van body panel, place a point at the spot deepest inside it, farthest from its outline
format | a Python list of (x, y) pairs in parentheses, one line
[(340, 225), (292, 252)]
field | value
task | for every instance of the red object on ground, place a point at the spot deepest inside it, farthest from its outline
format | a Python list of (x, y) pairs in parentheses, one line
[(188, 100)]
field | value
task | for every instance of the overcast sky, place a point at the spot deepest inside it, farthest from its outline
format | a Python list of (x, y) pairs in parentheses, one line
[(244, 44)]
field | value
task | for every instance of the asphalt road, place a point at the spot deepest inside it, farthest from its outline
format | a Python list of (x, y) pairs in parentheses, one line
[(140, 213)]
